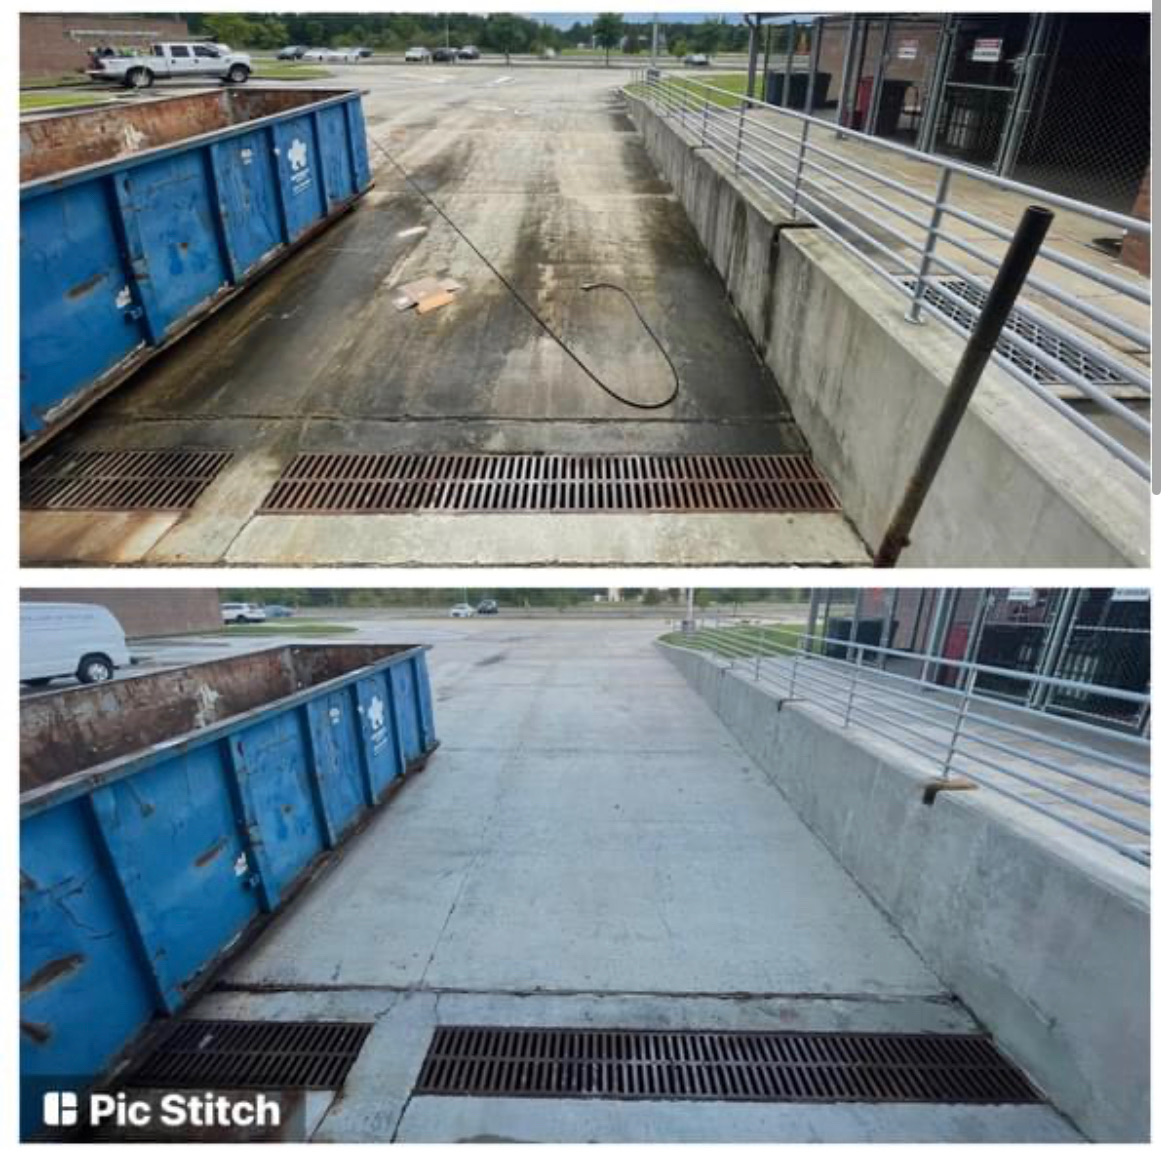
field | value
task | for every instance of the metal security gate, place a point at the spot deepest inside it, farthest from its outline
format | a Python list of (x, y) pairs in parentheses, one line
[(987, 72)]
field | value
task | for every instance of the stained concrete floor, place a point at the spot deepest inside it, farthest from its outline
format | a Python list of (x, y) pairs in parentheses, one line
[(590, 846), (542, 169)]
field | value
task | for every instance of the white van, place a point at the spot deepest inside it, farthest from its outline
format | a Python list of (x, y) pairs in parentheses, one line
[(70, 640)]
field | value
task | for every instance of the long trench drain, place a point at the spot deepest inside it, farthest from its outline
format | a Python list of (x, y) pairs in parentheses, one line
[(245, 1055), (120, 480), (322, 484), (760, 1066)]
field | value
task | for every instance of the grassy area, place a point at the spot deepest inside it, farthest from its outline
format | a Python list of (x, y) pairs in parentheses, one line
[(733, 84), (279, 70), (32, 101), (740, 639), (285, 628), (54, 82)]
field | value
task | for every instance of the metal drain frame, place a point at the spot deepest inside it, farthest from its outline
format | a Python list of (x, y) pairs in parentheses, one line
[(391, 484), (1061, 349), (727, 1066), (287, 1055), (120, 480)]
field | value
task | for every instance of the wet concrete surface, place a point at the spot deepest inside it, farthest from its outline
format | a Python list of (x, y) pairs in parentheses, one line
[(542, 170)]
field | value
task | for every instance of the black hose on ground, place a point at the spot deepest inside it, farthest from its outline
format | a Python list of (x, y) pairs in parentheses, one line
[(586, 288)]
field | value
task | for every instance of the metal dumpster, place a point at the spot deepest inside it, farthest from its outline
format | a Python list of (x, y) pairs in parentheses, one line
[(138, 220), (165, 817)]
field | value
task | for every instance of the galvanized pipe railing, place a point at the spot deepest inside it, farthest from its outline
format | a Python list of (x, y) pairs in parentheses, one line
[(1055, 343), (1079, 773)]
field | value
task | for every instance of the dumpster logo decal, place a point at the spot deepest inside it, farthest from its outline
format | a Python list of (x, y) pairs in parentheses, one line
[(298, 159), (377, 719)]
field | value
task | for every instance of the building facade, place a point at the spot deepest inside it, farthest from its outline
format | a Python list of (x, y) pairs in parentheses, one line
[(55, 43), (144, 611)]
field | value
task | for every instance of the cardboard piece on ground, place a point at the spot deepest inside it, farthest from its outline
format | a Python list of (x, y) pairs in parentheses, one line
[(451, 284), (421, 289), (434, 301)]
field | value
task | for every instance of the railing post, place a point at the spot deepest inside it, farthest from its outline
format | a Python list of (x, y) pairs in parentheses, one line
[(799, 168), (960, 717), (852, 691), (792, 681), (759, 650), (706, 113), (914, 314), (739, 134)]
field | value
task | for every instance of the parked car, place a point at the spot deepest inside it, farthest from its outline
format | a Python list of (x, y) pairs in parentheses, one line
[(469, 52), (487, 608), (364, 52), (462, 611), (417, 53), (696, 59), (70, 640), (332, 55), (292, 52), (445, 55), (240, 613), (277, 612), (176, 59)]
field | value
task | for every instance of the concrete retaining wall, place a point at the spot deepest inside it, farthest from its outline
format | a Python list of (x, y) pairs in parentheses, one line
[(1046, 943), (1020, 485)]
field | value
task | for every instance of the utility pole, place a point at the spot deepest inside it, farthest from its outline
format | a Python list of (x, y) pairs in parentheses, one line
[(654, 42), (689, 626), (447, 31)]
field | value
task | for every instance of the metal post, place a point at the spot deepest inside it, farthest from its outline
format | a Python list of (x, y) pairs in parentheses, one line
[(1022, 97), (810, 628), (703, 130), (960, 718), (788, 66), (879, 79), (936, 89), (804, 127), (739, 134), (753, 52), (852, 691), (1009, 281), (844, 99), (759, 650), (914, 314), (792, 681), (814, 64), (767, 29)]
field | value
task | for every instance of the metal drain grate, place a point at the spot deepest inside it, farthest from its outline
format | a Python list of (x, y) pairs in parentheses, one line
[(331, 484), (120, 480), (772, 1066), (1069, 354), (212, 1053)]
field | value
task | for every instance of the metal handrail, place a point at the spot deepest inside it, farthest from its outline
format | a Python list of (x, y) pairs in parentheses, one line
[(818, 183), (1095, 775)]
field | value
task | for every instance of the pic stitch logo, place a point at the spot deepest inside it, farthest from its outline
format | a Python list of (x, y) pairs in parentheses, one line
[(60, 1109)]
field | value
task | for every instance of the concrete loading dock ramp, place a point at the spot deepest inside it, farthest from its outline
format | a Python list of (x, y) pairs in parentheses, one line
[(544, 171), (591, 847)]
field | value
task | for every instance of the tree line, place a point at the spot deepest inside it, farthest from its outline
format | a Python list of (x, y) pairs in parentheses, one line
[(498, 32)]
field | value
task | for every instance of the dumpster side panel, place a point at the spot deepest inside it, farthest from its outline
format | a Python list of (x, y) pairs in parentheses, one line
[(75, 298), (333, 133), (357, 139), (335, 751), (405, 701), (248, 197), (173, 838), (276, 784), (174, 245), (83, 990), (300, 172), (383, 757), (422, 690)]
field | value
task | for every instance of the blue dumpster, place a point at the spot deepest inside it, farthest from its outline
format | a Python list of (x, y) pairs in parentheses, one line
[(165, 817), (138, 220)]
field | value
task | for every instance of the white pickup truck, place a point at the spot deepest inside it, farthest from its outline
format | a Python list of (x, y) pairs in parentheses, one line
[(189, 59)]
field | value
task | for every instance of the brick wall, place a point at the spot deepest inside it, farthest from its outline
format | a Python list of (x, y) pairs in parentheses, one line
[(56, 43), (143, 611)]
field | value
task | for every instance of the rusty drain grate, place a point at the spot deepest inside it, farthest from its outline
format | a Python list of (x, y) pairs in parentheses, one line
[(330, 484), (214, 1053), (772, 1066), (120, 480)]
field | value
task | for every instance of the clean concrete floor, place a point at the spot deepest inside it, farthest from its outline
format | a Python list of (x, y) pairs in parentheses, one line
[(591, 846), (544, 172)]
